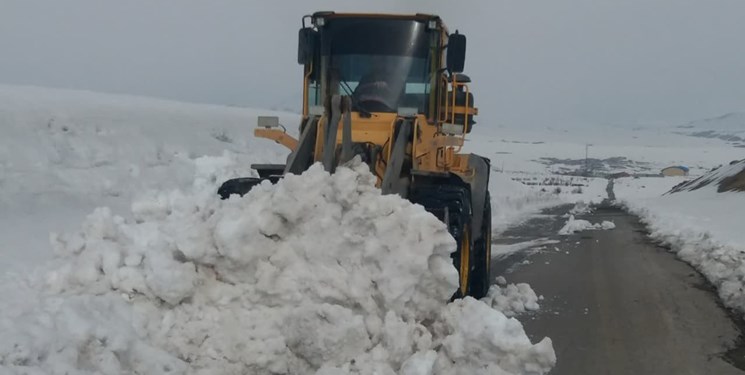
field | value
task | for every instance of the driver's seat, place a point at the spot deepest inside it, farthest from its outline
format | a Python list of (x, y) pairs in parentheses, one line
[(374, 93)]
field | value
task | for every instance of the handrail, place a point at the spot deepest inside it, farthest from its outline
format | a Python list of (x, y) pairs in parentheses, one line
[(305, 89), (443, 115)]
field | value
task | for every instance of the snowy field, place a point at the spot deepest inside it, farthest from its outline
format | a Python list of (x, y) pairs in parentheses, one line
[(650, 148), (703, 226), (118, 256)]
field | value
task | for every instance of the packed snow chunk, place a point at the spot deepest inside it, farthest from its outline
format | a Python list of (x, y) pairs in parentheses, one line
[(318, 274), (480, 340), (421, 363), (512, 299), (577, 225), (606, 225), (500, 280), (581, 208)]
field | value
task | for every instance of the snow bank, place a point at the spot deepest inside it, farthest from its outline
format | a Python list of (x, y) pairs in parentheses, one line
[(703, 227), (645, 187), (577, 225), (513, 201), (317, 274), (722, 263)]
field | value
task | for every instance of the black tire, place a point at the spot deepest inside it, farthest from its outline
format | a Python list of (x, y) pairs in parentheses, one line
[(239, 186), (481, 276), (451, 203)]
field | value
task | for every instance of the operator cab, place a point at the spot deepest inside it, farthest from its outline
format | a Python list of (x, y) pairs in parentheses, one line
[(388, 64), (382, 63)]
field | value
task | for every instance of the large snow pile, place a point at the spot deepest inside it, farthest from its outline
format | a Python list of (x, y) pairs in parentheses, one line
[(577, 225), (317, 274), (703, 226)]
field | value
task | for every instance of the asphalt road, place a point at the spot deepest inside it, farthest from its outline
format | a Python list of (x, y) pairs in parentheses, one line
[(617, 304)]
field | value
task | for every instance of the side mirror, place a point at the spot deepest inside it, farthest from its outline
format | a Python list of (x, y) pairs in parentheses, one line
[(456, 57), (306, 45)]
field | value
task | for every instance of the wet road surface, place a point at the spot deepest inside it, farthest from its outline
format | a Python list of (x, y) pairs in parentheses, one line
[(617, 304)]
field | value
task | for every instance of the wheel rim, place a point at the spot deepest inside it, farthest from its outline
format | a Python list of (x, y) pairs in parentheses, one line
[(465, 256)]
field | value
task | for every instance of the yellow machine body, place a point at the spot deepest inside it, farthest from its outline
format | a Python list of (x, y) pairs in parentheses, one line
[(415, 151)]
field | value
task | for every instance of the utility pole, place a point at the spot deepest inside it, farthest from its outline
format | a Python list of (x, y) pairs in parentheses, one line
[(587, 159)]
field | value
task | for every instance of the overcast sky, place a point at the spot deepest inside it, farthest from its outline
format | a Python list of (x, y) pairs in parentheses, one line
[(533, 62)]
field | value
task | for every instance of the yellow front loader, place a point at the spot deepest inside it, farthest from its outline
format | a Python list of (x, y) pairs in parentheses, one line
[(390, 89)]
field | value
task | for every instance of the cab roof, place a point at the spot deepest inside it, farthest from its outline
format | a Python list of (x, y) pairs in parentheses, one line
[(414, 17)]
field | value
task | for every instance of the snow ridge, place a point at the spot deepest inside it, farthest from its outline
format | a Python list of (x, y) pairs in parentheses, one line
[(723, 264), (700, 220)]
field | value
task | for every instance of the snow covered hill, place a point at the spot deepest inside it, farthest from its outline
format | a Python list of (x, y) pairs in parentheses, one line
[(60, 141), (167, 278), (725, 178), (734, 121), (729, 127), (699, 219)]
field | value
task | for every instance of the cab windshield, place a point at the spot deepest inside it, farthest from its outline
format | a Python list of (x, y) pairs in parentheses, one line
[(382, 64)]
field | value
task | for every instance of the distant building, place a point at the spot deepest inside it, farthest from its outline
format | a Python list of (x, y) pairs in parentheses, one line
[(620, 175), (676, 170)]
